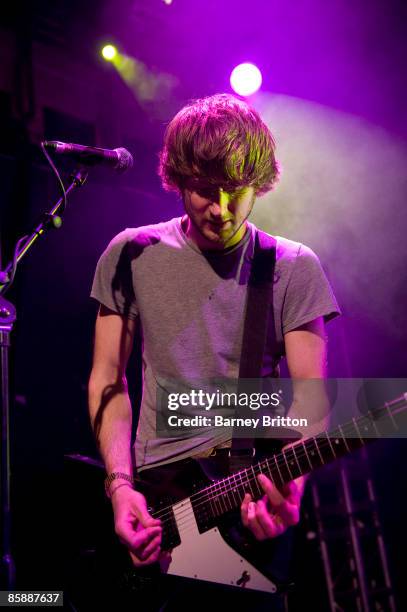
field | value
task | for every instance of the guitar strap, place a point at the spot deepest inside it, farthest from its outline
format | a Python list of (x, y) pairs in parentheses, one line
[(258, 331)]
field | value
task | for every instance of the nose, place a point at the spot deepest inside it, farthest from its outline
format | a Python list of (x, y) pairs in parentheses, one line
[(219, 204)]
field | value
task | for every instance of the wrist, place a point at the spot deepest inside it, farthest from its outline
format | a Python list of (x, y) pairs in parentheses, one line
[(116, 487), (115, 479)]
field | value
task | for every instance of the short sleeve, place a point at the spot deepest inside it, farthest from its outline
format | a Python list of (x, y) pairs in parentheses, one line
[(113, 281), (309, 294)]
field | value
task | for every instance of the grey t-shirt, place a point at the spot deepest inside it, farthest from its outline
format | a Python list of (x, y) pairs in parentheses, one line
[(191, 307)]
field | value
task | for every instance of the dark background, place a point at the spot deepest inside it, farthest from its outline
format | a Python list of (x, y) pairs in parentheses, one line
[(334, 94)]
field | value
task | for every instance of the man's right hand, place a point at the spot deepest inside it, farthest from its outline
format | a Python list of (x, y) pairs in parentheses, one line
[(135, 527)]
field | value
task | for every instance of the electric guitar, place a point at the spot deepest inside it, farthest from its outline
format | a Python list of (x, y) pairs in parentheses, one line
[(192, 521)]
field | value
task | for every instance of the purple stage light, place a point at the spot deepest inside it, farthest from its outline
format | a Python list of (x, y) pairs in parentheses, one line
[(245, 79)]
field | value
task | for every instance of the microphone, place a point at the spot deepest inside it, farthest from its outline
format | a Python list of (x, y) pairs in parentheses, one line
[(119, 159)]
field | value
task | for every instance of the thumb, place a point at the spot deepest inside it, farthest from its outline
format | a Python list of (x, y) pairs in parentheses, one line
[(144, 516)]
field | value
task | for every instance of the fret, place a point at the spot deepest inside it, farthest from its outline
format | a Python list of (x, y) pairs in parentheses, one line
[(225, 494), (311, 453), (218, 498), (292, 463), (344, 438), (288, 465), (367, 427), (239, 490), (391, 416), (374, 424), (352, 436), (231, 493), (319, 453), (212, 506), (319, 443), (358, 430), (337, 442), (385, 425), (234, 490), (278, 469), (325, 448), (283, 467), (301, 458), (259, 489), (218, 506), (272, 478), (248, 483), (330, 445), (242, 484), (277, 473), (263, 466), (306, 454), (296, 459)]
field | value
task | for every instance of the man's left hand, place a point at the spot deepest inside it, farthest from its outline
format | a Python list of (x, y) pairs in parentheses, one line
[(271, 515)]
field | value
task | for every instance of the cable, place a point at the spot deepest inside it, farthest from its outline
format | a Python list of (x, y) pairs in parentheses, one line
[(7, 284), (12, 273), (55, 170)]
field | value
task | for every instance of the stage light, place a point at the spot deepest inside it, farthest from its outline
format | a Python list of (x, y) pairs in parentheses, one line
[(168, 2), (245, 79), (109, 52)]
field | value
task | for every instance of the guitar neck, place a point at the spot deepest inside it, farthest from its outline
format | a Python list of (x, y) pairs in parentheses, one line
[(297, 460)]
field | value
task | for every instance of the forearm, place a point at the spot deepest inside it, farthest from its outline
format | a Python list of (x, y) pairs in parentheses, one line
[(311, 404), (111, 418), (310, 407)]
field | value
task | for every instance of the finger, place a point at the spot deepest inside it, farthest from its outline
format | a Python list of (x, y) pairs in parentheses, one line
[(150, 548), (289, 513), (146, 519), (141, 539), (271, 524), (273, 494), (137, 562), (244, 508), (137, 540), (291, 492), (253, 523), (138, 509)]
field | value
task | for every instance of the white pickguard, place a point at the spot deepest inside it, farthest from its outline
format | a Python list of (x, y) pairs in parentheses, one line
[(206, 556)]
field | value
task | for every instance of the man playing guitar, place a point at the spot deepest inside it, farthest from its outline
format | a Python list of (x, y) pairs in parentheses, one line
[(184, 282)]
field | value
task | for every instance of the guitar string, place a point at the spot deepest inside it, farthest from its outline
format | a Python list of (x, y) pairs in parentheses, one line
[(186, 515), (226, 485)]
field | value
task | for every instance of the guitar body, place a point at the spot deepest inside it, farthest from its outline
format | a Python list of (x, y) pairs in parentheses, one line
[(223, 552), (208, 557)]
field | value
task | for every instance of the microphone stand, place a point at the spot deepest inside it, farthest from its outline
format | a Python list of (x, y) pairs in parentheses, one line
[(7, 318)]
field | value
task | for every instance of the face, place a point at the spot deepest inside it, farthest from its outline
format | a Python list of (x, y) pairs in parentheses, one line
[(216, 218)]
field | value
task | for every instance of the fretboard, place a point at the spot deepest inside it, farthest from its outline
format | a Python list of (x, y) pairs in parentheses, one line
[(297, 460)]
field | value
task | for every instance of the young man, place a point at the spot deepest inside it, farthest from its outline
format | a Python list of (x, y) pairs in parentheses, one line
[(185, 283)]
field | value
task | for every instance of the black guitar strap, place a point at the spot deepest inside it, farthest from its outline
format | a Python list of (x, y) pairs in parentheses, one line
[(258, 331)]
